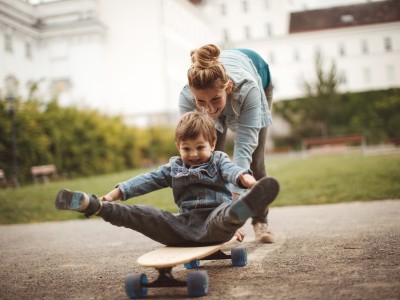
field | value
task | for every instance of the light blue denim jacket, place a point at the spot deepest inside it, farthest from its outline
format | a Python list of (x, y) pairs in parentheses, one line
[(247, 113), (206, 185)]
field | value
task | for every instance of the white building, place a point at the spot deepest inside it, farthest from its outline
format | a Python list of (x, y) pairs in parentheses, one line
[(362, 39), (120, 57), (131, 57)]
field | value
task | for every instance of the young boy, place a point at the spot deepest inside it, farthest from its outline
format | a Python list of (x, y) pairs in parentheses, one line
[(199, 179)]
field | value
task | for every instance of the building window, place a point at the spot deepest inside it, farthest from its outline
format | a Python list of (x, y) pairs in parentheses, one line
[(268, 29), (8, 46), (388, 44), (343, 77), (364, 47), (28, 50), (223, 9), (342, 50), (296, 55), (225, 35), (59, 86), (347, 18), (367, 75), (390, 73), (247, 33), (317, 51), (245, 6), (271, 58)]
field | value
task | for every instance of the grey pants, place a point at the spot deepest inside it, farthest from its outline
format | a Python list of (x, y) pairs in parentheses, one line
[(199, 226), (257, 165)]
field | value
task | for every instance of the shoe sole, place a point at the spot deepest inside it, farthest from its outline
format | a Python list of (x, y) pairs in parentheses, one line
[(67, 200), (264, 191)]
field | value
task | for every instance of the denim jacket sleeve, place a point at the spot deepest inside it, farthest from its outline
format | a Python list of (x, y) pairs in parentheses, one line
[(146, 183), (230, 171), (248, 127)]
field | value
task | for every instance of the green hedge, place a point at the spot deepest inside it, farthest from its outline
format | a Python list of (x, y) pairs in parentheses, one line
[(375, 114), (78, 142)]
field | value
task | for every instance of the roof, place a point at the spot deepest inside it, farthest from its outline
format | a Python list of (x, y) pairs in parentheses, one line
[(345, 16)]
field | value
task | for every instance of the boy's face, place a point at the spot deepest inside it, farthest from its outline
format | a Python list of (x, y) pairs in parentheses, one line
[(195, 151)]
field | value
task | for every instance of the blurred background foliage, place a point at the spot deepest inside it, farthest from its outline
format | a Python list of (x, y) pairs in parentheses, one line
[(374, 114), (78, 142), (324, 112), (86, 142)]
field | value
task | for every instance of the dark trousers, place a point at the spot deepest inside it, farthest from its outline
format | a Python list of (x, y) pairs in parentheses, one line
[(198, 226)]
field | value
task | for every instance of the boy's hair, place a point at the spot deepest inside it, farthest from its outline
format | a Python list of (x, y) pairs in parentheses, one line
[(193, 124)]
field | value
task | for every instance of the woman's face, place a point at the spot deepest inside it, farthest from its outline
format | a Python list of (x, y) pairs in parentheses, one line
[(213, 101)]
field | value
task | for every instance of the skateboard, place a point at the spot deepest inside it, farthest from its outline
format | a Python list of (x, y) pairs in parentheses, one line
[(166, 258)]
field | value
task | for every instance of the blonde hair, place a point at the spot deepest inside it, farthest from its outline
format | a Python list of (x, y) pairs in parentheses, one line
[(207, 72), (193, 124)]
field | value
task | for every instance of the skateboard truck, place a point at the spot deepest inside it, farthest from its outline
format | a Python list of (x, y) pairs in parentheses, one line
[(165, 279)]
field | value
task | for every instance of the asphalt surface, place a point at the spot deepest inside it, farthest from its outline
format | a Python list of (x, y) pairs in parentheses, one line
[(341, 251)]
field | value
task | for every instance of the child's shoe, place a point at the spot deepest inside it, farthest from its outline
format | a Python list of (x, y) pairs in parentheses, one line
[(78, 201), (256, 199)]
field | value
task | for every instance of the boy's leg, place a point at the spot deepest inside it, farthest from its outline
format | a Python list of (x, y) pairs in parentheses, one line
[(255, 200), (156, 224), (223, 221), (161, 226), (220, 226)]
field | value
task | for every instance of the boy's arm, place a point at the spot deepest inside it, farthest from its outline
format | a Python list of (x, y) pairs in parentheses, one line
[(140, 185), (231, 172)]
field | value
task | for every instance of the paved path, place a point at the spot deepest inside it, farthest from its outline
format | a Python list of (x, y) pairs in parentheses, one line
[(341, 251)]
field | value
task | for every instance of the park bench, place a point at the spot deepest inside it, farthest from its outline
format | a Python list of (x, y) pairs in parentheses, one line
[(331, 144), (44, 173), (3, 180)]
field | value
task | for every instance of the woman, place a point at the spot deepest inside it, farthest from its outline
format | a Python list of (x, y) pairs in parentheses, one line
[(234, 87)]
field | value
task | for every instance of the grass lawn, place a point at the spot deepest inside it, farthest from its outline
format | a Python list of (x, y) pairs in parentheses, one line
[(312, 180)]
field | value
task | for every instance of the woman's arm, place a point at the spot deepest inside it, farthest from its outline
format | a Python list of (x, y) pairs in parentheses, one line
[(249, 124)]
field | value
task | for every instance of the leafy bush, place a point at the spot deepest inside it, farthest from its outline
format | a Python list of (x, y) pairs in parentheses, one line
[(373, 114), (78, 142)]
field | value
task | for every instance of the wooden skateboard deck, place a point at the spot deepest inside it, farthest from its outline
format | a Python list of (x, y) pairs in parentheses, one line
[(167, 257), (171, 256)]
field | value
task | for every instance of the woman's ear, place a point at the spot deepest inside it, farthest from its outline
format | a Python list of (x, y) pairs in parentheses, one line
[(229, 88)]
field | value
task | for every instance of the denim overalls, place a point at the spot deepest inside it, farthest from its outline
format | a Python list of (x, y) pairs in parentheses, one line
[(202, 194)]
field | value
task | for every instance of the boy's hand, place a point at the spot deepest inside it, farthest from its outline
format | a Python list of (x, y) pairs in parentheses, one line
[(247, 180), (106, 198), (115, 194), (239, 234)]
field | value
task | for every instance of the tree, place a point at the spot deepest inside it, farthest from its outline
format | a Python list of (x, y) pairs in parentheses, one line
[(321, 95)]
